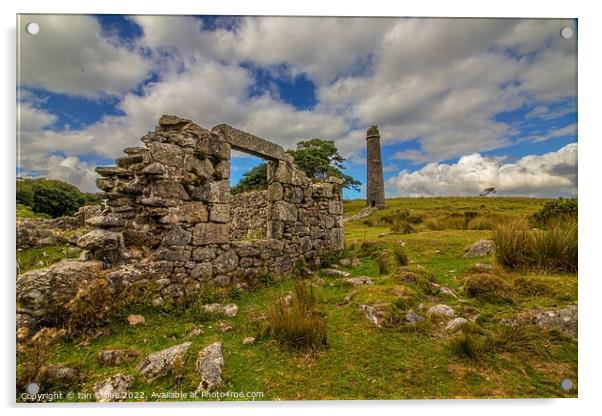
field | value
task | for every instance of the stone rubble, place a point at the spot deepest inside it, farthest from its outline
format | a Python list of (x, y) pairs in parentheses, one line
[(159, 363), (209, 366), (112, 389)]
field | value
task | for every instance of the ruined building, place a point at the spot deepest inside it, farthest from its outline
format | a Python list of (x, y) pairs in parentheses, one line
[(375, 187)]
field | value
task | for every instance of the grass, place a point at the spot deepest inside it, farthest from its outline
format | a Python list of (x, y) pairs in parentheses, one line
[(36, 258), (362, 361)]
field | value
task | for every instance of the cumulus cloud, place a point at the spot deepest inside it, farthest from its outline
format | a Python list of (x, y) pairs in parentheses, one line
[(551, 174), (70, 55), (439, 82)]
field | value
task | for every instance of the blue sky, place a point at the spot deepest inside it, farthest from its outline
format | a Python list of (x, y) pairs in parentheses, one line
[(461, 104)]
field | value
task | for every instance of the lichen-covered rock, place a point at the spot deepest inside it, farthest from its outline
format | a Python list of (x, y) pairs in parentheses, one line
[(229, 310), (161, 362), (116, 357), (209, 366), (455, 324), (56, 374), (112, 389), (377, 314), (335, 273), (480, 248), (359, 280), (441, 310), (43, 293), (413, 318)]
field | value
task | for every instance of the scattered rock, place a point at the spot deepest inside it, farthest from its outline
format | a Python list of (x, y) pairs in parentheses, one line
[(482, 268), (53, 374), (377, 313), (136, 320), (159, 363), (413, 318), (335, 273), (248, 340), (194, 332), (229, 310), (223, 326), (447, 291), (355, 262), (209, 365), (480, 248), (455, 324), (116, 357), (43, 293), (565, 319), (345, 262), (441, 310), (359, 281), (112, 389)]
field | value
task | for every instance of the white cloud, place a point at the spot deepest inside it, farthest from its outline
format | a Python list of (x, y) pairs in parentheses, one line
[(551, 174), (69, 55)]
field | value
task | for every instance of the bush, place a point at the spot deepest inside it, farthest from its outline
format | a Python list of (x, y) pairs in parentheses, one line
[(487, 287), (400, 255), (555, 249), (465, 346), (383, 260), (296, 323), (90, 308), (52, 197), (532, 286), (33, 355), (556, 211)]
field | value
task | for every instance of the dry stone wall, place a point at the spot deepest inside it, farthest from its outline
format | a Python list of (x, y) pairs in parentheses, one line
[(171, 212), (249, 215)]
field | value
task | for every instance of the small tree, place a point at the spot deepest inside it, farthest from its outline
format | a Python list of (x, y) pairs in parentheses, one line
[(318, 158), (488, 191)]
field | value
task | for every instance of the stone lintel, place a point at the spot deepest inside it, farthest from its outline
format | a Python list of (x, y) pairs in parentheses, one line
[(248, 143)]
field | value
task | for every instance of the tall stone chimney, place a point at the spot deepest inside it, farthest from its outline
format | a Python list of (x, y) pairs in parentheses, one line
[(375, 188)]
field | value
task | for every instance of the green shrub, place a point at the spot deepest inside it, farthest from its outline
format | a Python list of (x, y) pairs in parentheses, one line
[(465, 346), (90, 309), (487, 287), (556, 211), (52, 197), (297, 323), (383, 261), (400, 255), (531, 286), (554, 249)]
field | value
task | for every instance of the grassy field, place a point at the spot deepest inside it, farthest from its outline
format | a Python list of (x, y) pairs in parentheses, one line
[(362, 361)]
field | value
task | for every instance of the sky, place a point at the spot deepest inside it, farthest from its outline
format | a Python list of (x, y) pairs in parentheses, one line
[(461, 104)]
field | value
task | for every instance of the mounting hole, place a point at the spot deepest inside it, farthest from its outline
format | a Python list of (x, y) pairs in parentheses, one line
[(566, 384), (32, 28), (566, 32)]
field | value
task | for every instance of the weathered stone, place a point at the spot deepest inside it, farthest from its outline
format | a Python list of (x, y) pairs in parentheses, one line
[(159, 363), (249, 143), (209, 233), (209, 366), (43, 293), (204, 253), (100, 240), (177, 236), (223, 327), (106, 221), (154, 168), (375, 188), (112, 389), (455, 324), (136, 320), (169, 189), (167, 120), (284, 211), (377, 313), (413, 318), (248, 340), (226, 262), (482, 268), (359, 281), (219, 213), (480, 248), (172, 255), (335, 273), (441, 310), (190, 213), (167, 154), (230, 310), (202, 271), (275, 191), (216, 192), (56, 374), (115, 357)]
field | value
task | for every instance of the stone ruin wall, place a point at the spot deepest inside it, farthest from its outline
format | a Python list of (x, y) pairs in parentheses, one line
[(170, 211), (249, 215)]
